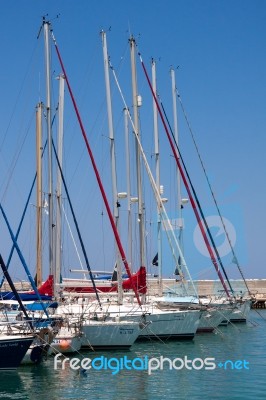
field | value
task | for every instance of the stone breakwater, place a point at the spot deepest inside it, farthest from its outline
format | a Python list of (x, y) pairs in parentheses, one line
[(207, 287), (257, 288)]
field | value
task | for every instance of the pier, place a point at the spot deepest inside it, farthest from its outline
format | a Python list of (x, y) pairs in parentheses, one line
[(259, 301), (257, 288)]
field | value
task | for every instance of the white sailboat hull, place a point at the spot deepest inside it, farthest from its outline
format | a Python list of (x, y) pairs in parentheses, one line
[(160, 324), (181, 325), (212, 318), (66, 341), (241, 312), (153, 322), (108, 335)]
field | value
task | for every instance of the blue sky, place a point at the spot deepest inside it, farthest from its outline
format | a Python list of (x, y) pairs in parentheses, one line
[(219, 49)]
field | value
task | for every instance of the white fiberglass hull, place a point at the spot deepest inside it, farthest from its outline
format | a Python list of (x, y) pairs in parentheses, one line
[(180, 325), (159, 324), (66, 341), (108, 335), (241, 312), (212, 318)]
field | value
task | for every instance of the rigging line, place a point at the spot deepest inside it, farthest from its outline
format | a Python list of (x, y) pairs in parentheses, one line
[(211, 190), (23, 214), (198, 204), (103, 240), (185, 181), (73, 239), (76, 225), (97, 116), (16, 103), (22, 219), (165, 219), (15, 160), (118, 241), (23, 261), (259, 314), (12, 287), (166, 222), (11, 118), (83, 152), (94, 138), (123, 58)]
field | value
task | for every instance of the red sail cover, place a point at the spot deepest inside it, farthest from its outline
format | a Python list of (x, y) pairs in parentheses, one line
[(46, 289), (139, 279)]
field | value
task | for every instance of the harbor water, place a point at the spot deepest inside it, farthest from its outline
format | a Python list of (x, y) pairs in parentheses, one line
[(228, 364)]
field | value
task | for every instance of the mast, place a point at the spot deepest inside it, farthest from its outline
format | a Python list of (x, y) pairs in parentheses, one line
[(136, 105), (177, 141), (97, 175), (58, 252), (176, 136), (186, 182), (129, 218), (49, 142), (39, 193), (164, 217), (157, 175), (113, 159)]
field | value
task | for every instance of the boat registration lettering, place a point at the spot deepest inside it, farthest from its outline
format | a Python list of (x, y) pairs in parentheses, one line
[(124, 331)]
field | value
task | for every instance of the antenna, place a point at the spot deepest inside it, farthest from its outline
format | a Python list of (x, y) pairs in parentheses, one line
[(45, 21)]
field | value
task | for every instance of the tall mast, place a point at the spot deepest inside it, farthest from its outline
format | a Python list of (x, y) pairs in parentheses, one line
[(127, 149), (58, 253), (187, 183), (110, 216), (39, 193), (157, 175), (136, 104), (164, 217), (179, 197), (113, 159), (49, 141)]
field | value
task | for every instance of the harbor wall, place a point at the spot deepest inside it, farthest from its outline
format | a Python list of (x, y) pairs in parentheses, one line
[(257, 287), (208, 287)]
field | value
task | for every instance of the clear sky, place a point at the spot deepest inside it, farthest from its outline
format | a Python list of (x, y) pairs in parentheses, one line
[(217, 49)]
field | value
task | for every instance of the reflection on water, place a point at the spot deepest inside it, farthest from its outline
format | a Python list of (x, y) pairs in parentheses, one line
[(239, 342), (11, 385)]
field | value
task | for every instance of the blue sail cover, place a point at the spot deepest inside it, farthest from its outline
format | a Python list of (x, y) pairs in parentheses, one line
[(24, 296), (45, 292)]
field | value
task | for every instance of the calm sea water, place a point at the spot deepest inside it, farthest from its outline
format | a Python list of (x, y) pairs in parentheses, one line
[(242, 347)]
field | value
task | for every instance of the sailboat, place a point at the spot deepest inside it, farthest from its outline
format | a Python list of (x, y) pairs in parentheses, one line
[(166, 324), (16, 337), (93, 333), (239, 307), (13, 349), (110, 315), (137, 319), (211, 316), (68, 339)]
